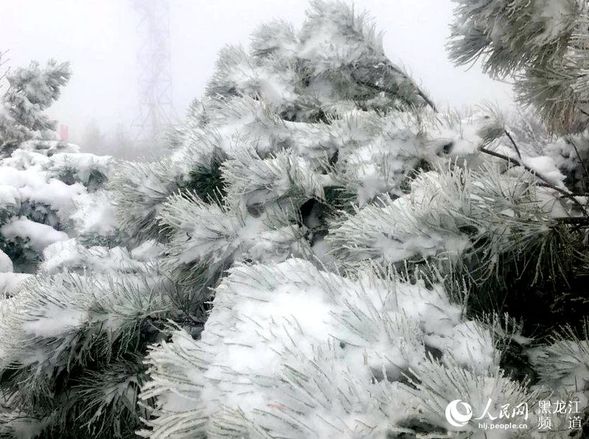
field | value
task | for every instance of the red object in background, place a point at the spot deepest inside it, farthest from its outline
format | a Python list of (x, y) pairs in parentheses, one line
[(64, 133)]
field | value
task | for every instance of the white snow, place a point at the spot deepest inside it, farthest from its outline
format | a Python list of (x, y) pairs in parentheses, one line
[(55, 321), (69, 255), (10, 283), (148, 250), (5, 263), (273, 321), (48, 147), (472, 345), (30, 184), (40, 235), (94, 213), (9, 195), (81, 164), (557, 16), (62, 254), (546, 167)]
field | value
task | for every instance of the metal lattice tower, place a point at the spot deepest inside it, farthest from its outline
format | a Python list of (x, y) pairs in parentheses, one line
[(156, 111)]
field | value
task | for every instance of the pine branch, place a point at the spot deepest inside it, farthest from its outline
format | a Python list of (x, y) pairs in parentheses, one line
[(546, 181), (509, 136), (582, 221), (390, 91)]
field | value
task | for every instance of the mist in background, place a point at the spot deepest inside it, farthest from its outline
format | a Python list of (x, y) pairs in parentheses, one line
[(101, 40)]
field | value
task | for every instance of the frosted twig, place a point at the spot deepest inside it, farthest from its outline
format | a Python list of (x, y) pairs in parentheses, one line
[(546, 181)]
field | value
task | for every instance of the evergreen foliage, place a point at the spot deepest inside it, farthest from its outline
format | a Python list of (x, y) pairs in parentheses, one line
[(30, 91), (543, 44), (321, 254), (42, 181)]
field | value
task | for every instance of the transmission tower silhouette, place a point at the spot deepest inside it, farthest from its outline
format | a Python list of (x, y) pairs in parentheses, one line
[(155, 104)]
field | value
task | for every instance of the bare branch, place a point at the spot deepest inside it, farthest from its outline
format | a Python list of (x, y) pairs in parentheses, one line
[(509, 136)]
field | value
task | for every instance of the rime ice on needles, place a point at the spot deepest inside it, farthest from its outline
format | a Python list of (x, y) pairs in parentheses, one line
[(542, 43), (315, 139), (43, 182), (281, 340), (321, 254), (30, 91)]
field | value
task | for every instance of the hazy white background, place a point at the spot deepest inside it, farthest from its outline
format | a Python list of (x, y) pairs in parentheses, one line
[(100, 39)]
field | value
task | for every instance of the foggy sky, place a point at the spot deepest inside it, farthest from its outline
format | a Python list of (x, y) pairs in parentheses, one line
[(100, 39)]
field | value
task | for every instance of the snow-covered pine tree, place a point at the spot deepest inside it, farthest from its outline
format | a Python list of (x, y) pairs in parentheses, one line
[(288, 137), (30, 91), (543, 47), (273, 140), (321, 255), (54, 212), (542, 43), (42, 181), (310, 132)]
